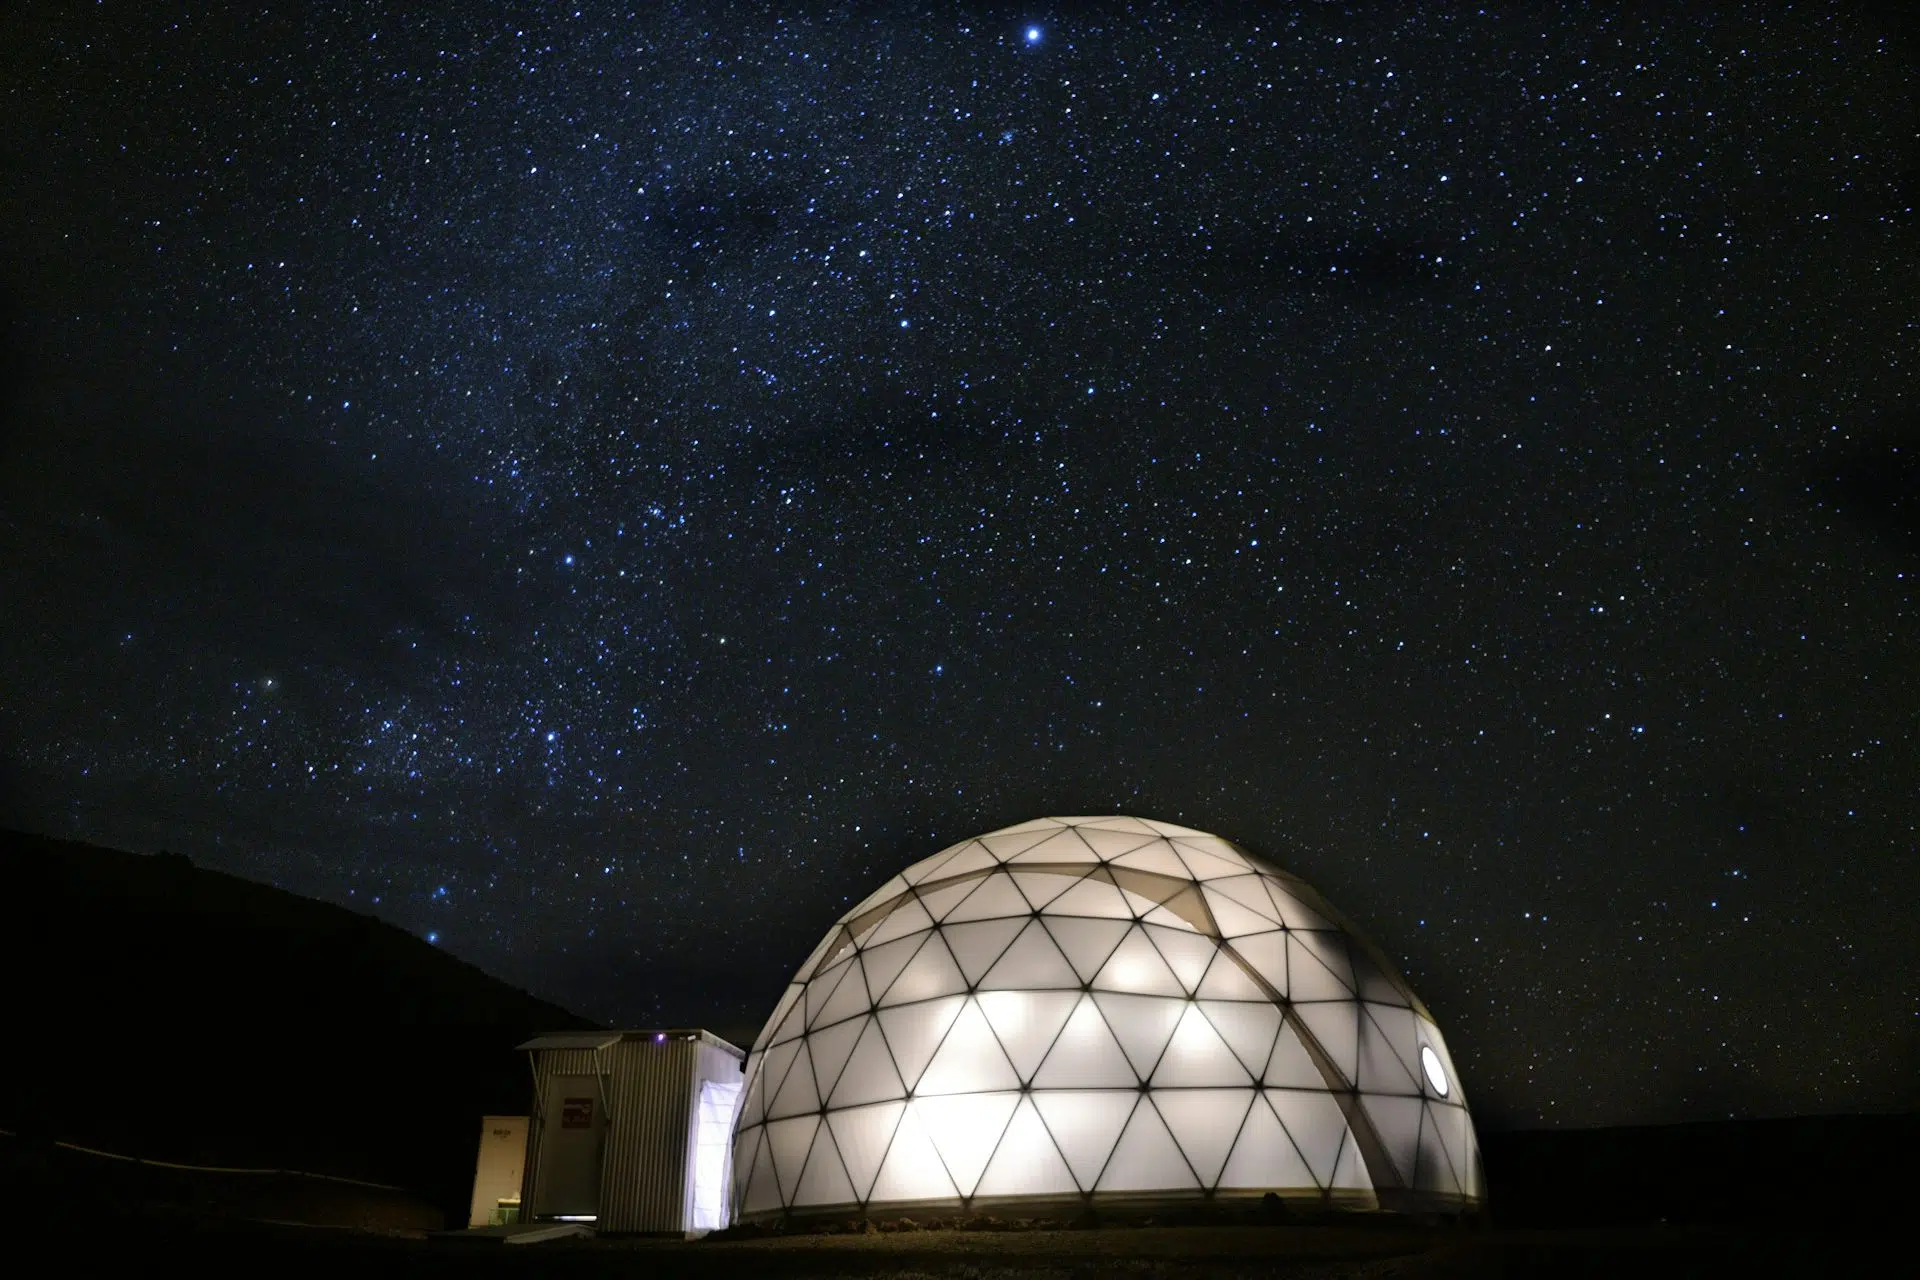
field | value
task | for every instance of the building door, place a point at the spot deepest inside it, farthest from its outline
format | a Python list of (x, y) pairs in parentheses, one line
[(573, 1124)]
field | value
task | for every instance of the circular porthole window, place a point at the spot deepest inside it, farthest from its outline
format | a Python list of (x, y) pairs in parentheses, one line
[(1436, 1074)]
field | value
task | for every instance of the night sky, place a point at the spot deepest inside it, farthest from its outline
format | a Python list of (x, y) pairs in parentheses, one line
[(601, 490)]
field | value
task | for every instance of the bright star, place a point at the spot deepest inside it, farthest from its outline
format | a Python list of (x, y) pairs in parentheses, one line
[(1033, 35)]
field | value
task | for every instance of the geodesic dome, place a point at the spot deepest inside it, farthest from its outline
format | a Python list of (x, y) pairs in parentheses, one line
[(1096, 1010)]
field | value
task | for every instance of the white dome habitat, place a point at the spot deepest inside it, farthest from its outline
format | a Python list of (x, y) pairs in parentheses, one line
[(1097, 1011)]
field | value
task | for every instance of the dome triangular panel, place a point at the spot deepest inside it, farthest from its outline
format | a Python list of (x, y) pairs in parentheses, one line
[(1204, 1124), (1147, 1158), (1086, 1127)]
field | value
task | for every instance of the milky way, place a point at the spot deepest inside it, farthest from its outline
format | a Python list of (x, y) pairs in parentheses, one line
[(603, 490)]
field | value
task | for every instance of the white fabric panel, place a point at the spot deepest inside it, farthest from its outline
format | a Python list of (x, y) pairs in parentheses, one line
[(1337, 1027), (930, 973), (1142, 1025), (908, 917), (1387, 1053), (1226, 980), (1456, 1136), (1031, 963), (779, 1061), (1351, 1173), (1085, 1126), (1187, 953), (1307, 977), (978, 943), (1147, 1158), (893, 888), (1086, 1055), (1003, 845), (929, 868), (1291, 1067), (753, 1099), (1196, 1056), (862, 1135), (1120, 822), (1136, 967), (972, 858), (1067, 846), (1265, 1156), (1248, 1029), (1371, 983), (789, 999), (1249, 891), (1203, 1123), (968, 1061), (1432, 1170), (1294, 913), (965, 1129), (1026, 1162), (1317, 1125), (1110, 844), (1267, 953), (912, 1169), (883, 964), (818, 955), (1040, 887), (831, 1048), (797, 1094), (1086, 943), (993, 898), (914, 1033), (789, 1141), (763, 1185), (1225, 850), (1140, 905), (942, 898), (821, 989), (849, 998), (824, 1180), (1037, 824), (1156, 856), (1171, 828), (1091, 898), (1397, 1121), (1330, 949), (1027, 1023), (1204, 864), (1233, 919), (1165, 916), (869, 1075)]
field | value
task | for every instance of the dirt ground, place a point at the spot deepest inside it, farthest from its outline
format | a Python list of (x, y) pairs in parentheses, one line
[(1320, 1252)]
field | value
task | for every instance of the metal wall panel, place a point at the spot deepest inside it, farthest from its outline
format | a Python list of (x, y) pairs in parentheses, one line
[(651, 1087), (547, 1063), (643, 1186)]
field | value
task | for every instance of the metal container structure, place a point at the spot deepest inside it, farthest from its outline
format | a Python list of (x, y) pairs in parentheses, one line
[(632, 1130)]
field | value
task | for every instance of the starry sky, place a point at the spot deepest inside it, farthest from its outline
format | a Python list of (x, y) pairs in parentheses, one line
[(603, 488)]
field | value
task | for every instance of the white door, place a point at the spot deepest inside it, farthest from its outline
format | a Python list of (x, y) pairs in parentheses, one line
[(573, 1124)]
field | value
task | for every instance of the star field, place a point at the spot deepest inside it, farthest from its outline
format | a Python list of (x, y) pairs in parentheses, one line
[(604, 489)]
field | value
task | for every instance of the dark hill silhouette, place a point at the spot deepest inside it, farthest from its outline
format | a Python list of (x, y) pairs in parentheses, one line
[(171, 1013)]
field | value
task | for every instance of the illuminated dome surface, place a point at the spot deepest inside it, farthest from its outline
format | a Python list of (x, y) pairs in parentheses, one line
[(1098, 1010)]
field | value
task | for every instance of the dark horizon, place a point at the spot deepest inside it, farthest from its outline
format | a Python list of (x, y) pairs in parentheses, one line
[(602, 492)]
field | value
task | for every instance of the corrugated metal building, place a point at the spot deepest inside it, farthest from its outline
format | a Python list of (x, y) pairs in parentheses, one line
[(632, 1130)]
